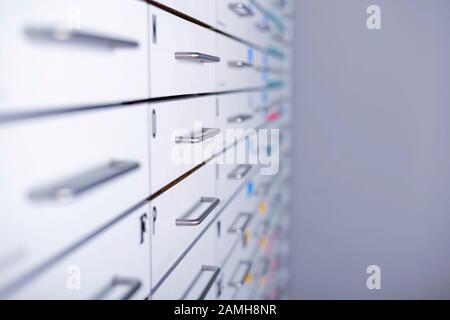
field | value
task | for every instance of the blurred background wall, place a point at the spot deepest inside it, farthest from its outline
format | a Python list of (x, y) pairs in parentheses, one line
[(372, 143)]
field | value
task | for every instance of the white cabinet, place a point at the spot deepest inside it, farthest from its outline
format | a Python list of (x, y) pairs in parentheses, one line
[(182, 56), (115, 264), (179, 216), (184, 135), (129, 158), (202, 10), (234, 16), (63, 54), (63, 177), (196, 275)]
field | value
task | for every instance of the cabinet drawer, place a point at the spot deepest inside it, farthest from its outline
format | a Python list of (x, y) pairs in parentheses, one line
[(234, 17), (63, 53), (261, 29), (237, 111), (236, 65), (194, 278), (230, 176), (236, 221), (180, 215), (113, 265), (63, 177), (236, 276), (182, 56), (203, 10), (183, 134)]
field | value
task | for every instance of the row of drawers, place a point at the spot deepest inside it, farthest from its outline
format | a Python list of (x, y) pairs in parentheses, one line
[(122, 200), (239, 247), (51, 192), (257, 21), (234, 237), (79, 57)]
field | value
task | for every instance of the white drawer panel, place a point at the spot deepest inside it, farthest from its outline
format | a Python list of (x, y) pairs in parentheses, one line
[(261, 30), (236, 221), (236, 275), (195, 277), (237, 111), (182, 56), (259, 75), (180, 215), (231, 176), (63, 177), (113, 265), (203, 10), (171, 158), (234, 17), (63, 53), (235, 68)]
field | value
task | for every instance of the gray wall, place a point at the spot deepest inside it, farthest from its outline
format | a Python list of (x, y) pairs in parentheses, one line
[(372, 145)]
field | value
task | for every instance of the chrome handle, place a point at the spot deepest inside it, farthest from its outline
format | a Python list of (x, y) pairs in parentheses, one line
[(206, 134), (263, 189), (186, 222), (216, 271), (133, 284), (196, 56), (64, 35), (241, 9), (239, 64), (279, 3), (72, 187), (240, 172), (240, 229), (241, 118), (239, 283)]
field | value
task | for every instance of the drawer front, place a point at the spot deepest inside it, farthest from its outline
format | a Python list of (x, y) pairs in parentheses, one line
[(180, 215), (259, 76), (65, 53), (122, 271), (237, 111), (64, 177), (236, 221), (236, 65), (182, 56), (231, 175), (195, 277), (234, 17), (236, 275), (171, 157), (203, 10), (262, 30)]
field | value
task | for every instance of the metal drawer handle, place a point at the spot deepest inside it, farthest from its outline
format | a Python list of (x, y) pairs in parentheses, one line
[(241, 9), (240, 118), (240, 229), (64, 35), (239, 64), (240, 282), (133, 284), (68, 189), (240, 172), (215, 273), (206, 134), (196, 56), (186, 222)]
